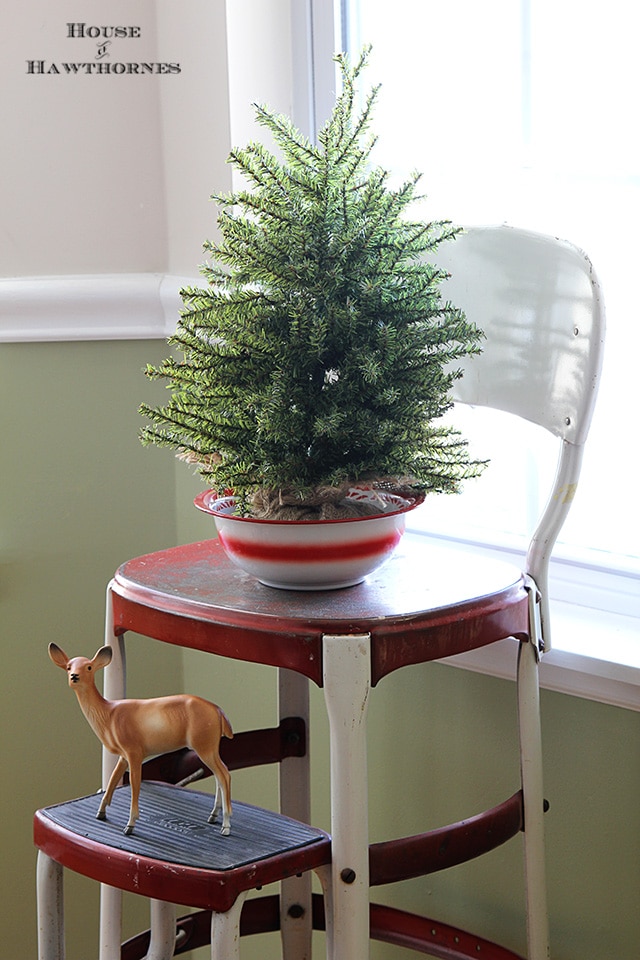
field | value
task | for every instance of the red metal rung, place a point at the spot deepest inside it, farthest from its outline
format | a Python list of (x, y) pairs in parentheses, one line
[(417, 856), (436, 939)]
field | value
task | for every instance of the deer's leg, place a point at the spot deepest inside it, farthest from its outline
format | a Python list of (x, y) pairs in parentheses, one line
[(223, 787), (114, 780), (217, 802), (135, 776)]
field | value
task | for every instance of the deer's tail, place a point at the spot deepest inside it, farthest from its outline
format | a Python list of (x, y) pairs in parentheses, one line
[(226, 726)]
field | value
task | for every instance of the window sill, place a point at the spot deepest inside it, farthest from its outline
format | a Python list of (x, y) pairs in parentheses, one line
[(595, 653), (577, 664)]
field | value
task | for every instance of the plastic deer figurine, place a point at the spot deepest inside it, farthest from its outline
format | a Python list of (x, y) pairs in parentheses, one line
[(137, 729)]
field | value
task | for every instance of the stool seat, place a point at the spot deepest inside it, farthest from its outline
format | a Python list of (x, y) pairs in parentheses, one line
[(174, 854)]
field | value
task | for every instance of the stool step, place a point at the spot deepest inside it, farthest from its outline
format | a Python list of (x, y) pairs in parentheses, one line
[(173, 828), (174, 854)]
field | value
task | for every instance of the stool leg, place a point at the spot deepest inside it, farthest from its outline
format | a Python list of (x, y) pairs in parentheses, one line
[(532, 789), (324, 876), (295, 801), (347, 685), (110, 922), (50, 909), (225, 932), (163, 931), (114, 689)]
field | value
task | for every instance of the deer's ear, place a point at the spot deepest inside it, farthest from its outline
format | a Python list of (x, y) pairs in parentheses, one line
[(58, 656), (102, 657)]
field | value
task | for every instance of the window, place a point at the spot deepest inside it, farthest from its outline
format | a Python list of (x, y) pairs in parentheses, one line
[(523, 111)]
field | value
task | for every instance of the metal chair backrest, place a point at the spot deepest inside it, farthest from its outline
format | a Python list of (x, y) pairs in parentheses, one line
[(538, 301)]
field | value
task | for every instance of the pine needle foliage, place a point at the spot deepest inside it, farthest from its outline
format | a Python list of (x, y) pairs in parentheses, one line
[(321, 351)]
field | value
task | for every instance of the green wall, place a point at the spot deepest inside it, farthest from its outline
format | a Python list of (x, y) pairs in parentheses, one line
[(79, 496), (462, 727)]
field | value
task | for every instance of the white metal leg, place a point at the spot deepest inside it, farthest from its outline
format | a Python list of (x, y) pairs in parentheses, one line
[(163, 930), (110, 922), (347, 684), (295, 801), (114, 689), (50, 909), (324, 875), (532, 786), (225, 932), (115, 673)]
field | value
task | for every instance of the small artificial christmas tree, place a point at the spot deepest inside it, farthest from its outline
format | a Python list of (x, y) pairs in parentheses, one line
[(320, 354)]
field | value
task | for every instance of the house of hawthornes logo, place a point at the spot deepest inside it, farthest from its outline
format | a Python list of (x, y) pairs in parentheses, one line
[(104, 50)]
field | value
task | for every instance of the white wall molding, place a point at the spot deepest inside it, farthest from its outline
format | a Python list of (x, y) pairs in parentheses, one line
[(124, 306)]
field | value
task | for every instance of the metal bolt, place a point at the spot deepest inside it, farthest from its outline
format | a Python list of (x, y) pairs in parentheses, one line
[(295, 911), (348, 875)]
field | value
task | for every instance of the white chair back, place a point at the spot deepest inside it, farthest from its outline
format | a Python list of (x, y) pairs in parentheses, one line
[(538, 301)]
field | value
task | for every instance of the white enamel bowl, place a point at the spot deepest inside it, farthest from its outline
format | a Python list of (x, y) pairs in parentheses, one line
[(310, 554)]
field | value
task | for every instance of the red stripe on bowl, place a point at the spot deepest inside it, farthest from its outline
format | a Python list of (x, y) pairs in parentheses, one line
[(321, 553)]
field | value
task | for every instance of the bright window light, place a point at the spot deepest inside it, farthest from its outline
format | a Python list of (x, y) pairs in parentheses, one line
[(525, 112)]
